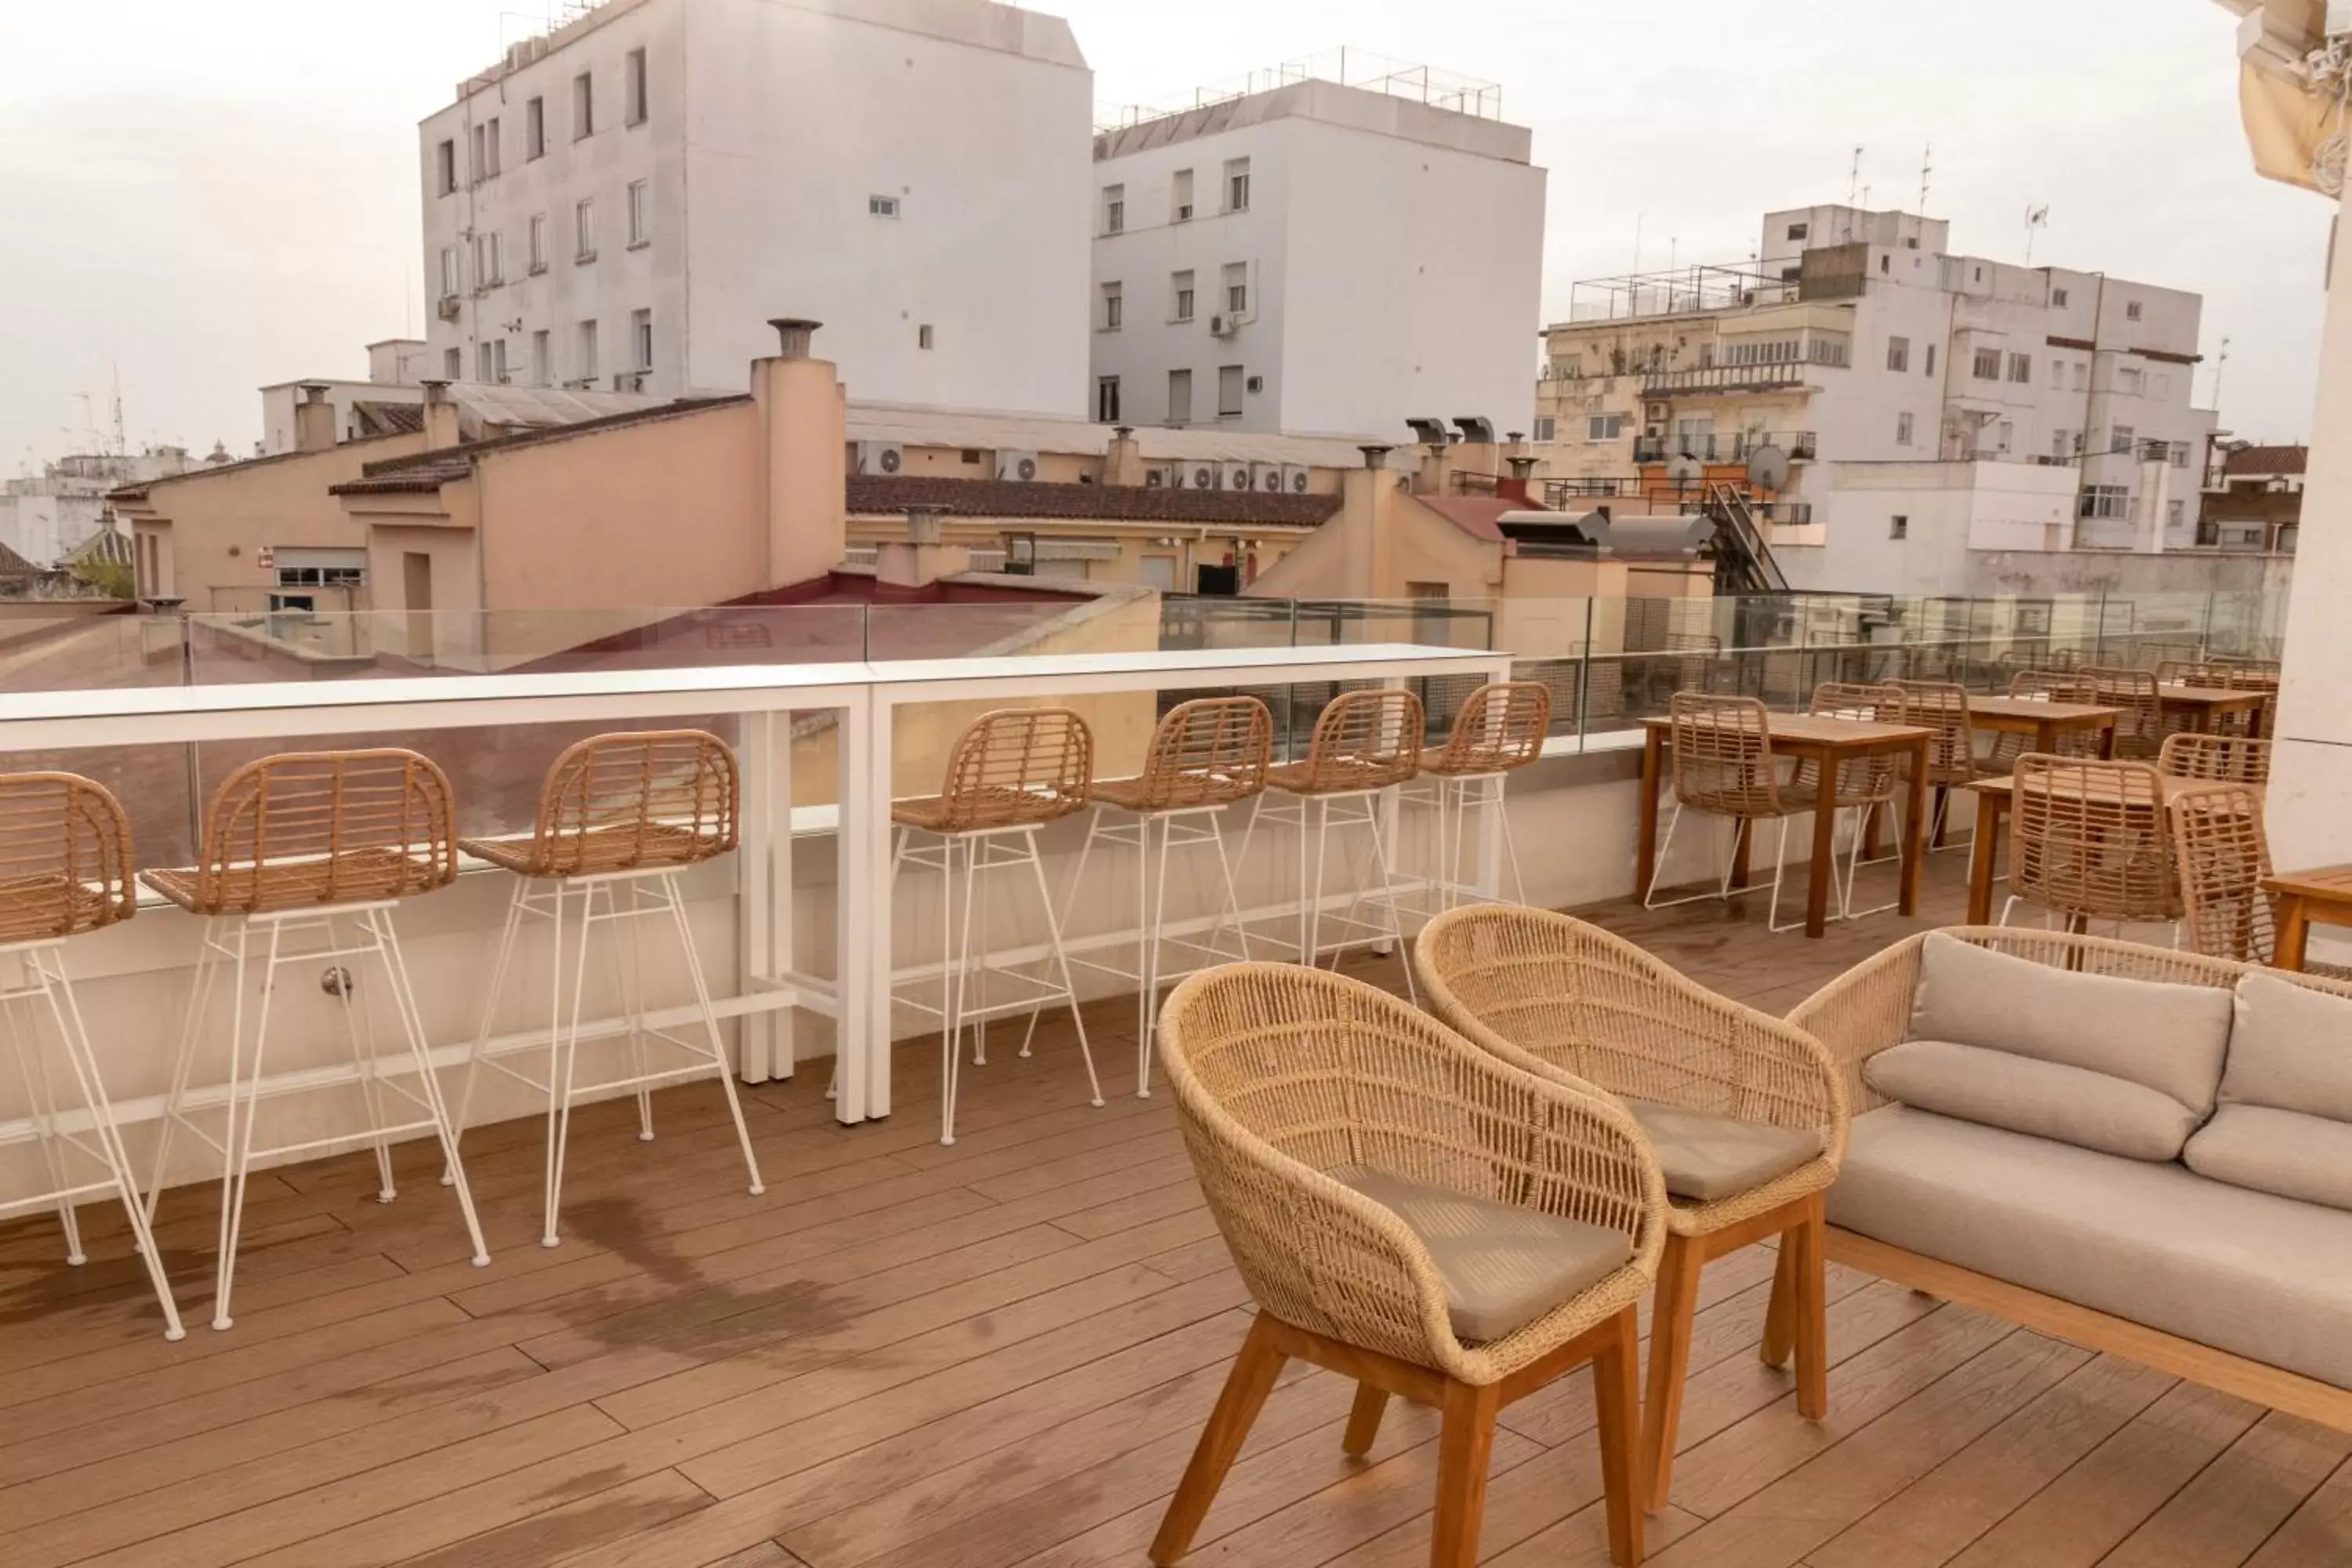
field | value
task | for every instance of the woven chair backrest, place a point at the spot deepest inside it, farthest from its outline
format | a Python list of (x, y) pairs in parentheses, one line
[(1017, 767), (2139, 729), (1942, 707), (64, 857), (1208, 751), (2089, 838), (1723, 755), (1366, 740), (2222, 854), (2237, 759), (2055, 685), (307, 828), (1502, 726), (622, 802)]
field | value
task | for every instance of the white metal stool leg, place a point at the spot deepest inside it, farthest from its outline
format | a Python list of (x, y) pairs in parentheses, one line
[(710, 1029), (34, 1073), (363, 1063), (563, 1059), (209, 954), (1061, 963), (243, 1094), (381, 926), (516, 904)]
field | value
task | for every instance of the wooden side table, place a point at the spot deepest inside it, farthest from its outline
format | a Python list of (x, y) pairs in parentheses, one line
[(2305, 899)]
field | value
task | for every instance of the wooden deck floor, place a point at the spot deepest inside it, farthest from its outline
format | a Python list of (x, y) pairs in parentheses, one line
[(906, 1356)]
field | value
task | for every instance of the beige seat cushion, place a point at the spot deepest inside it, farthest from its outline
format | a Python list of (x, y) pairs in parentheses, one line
[(1504, 1266), (2262, 1277), (2281, 1152), (2170, 1037), (2025, 1094), (2291, 1049), (1707, 1157)]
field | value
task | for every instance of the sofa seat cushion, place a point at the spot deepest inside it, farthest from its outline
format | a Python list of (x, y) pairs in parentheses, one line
[(2026, 1094), (1706, 1157), (2281, 1152), (1504, 1266), (2170, 1037), (2262, 1277), (2291, 1049)]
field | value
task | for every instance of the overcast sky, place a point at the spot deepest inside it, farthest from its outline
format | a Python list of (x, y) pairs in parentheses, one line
[(209, 197)]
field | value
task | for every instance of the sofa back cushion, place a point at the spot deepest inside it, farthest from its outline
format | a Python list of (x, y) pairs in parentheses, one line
[(2283, 1152), (2170, 1038), (2291, 1049), (2026, 1094)]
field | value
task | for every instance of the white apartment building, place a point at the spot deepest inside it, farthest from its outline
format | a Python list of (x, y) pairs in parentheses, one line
[(46, 517), (1956, 424), (1317, 259), (622, 204)]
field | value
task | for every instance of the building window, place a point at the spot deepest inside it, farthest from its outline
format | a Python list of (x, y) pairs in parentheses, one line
[(2062, 444), (1106, 400), (490, 361), (1180, 199), (490, 262), (641, 339), (1800, 230), (534, 129), (1898, 527), (2020, 368), (1898, 353), (448, 271), (584, 223), (2180, 454), (583, 106), (538, 237), (2120, 438), (634, 95), (2173, 513), (2057, 298), (1229, 391), (587, 365), (453, 365), (444, 168), (1114, 307), (2108, 501), (1237, 287), (541, 369), (1237, 185), (641, 219), (1114, 209), (923, 337), (2004, 437), (486, 151), (1181, 283), (882, 206), (1931, 359), (1179, 397), (1604, 426), (1902, 430), (2131, 311), (2130, 379), (1546, 427), (1987, 364)]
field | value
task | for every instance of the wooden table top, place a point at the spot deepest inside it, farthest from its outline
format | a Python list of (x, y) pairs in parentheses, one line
[(2212, 696), (2167, 784), (2331, 884), (2035, 710), (1814, 730)]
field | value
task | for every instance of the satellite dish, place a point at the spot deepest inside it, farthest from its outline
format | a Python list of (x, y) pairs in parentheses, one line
[(1768, 468), (1683, 469)]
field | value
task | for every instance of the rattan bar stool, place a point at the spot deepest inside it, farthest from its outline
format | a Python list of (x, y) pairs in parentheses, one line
[(1205, 755), (306, 855), (65, 871), (2088, 840), (619, 818), (1724, 767), (1500, 729), (1365, 743), (1009, 773)]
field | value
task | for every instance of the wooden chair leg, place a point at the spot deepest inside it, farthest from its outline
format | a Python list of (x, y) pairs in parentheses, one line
[(1364, 1420), (1616, 1407), (1247, 1386), (1464, 1447), (1809, 1308), (1780, 1335), (1677, 1303)]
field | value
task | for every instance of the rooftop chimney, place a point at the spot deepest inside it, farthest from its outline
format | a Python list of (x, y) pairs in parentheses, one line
[(1375, 457), (1123, 457), (314, 419), (793, 334), (923, 557), (440, 416), (1514, 487)]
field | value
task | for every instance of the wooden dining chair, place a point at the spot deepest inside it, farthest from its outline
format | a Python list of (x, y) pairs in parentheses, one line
[(1952, 762), (2088, 841), (1724, 768), (1864, 786), (1416, 1214)]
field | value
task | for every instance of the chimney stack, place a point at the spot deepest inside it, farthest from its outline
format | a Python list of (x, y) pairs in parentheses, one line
[(793, 334), (804, 414), (1514, 488), (1123, 459), (1375, 457), (923, 557), (314, 419), (440, 416)]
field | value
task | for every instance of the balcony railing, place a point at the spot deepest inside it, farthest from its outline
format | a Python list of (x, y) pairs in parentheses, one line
[(1783, 374), (1722, 447)]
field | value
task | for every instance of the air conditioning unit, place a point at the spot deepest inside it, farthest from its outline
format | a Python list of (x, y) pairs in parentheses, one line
[(1162, 477), (1224, 326), (448, 308), (883, 457), (1238, 476), (1200, 477), (1266, 476), (1659, 411), (1256, 384), (1016, 465), (1294, 479)]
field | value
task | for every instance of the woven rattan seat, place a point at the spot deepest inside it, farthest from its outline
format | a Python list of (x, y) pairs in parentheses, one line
[(1017, 767), (1301, 1095), (2087, 839), (1213, 750), (627, 802), (64, 857), (2236, 759), (1554, 996), (1501, 726), (1363, 740)]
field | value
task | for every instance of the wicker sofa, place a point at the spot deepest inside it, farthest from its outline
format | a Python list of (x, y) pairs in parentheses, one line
[(2143, 1152)]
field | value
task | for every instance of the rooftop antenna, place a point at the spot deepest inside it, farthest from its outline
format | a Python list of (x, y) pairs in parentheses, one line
[(2035, 217), (2221, 364), (120, 447), (1926, 167), (1854, 177)]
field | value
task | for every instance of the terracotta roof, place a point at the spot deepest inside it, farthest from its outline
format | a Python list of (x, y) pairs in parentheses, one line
[(15, 565), (2254, 460), (1474, 515), (377, 417), (872, 494)]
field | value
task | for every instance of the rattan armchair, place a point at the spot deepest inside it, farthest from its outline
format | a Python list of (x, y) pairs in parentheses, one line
[(1415, 1213), (2087, 840), (65, 872), (2233, 759), (1747, 1113), (1500, 729)]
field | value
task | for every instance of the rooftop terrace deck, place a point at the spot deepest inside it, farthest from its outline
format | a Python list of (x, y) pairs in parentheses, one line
[(911, 1357)]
